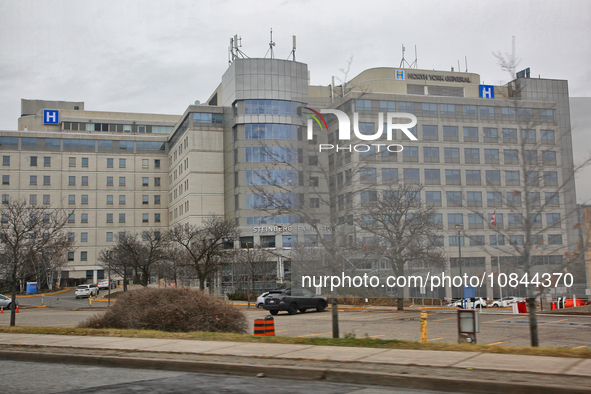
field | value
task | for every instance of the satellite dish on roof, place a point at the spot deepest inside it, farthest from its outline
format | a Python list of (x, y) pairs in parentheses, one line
[(197, 102)]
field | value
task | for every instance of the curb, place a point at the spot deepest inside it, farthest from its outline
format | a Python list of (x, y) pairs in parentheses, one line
[(331, 375), (46, 294)]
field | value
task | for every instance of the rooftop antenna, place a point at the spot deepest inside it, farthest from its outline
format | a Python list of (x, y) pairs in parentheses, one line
[(235, 52), (271, 45), (466, 58), (293, 50), (404, 63)]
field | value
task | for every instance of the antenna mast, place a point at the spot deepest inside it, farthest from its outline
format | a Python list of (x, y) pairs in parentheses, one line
[(234, 50), (404, 63), (292, 53), (271, 45)]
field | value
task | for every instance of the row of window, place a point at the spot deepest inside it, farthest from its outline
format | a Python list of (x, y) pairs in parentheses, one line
[(452, 177), (272, 107), (271, 131), (83, 180), (109, 218), (117, 128), (499, 240), (87, 145), (452, 109), (72, 162)]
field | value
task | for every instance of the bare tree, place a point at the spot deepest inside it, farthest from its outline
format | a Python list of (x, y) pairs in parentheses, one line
[(26, 231), (254, 266), (205, 245), (401, 229)]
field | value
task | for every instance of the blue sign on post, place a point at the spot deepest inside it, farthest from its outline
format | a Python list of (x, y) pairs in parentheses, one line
[(486, 91), (469, 292), (51, 116)]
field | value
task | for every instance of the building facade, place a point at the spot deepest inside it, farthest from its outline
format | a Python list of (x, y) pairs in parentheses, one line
[(479, 150)]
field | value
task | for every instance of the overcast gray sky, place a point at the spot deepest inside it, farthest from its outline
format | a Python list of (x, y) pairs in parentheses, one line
[(160, 56)]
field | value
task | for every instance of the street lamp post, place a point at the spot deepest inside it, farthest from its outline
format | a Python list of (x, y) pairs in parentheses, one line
[(459, 228)]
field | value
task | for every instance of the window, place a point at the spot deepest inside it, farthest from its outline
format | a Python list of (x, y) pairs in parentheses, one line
[(454, 199), (71, 237), (313, 160), (553, 219), (474, 199), (550, 178), (526, 112), (555, 239), (470, 134), (288, 240), (33, 180), (32, 199), (473, 177), (499, 220), (450, 133), (71, 199), (46, 199), (84, 199), (157, 199), (452, 177), (453, 219), (121, 218), (246, 242), (472, 155), (515, 220), (109, 199), (447, 109), (72, 161), (516, 239), (411, 175), (469, 110), (121, 199), (5, 199), (429, 108), (109, 181), (476, 240), (156, 218), (268, 241), (33, 161), (47, 161), (491, 156), (430, 133), (71, 218), (145, 218), (109, 236), (430, 154), (511, 156), (405, 106), (145, 199), (83, 237), (490, 134), (497, 240), (530, 157), (433, 199), (528, 135), (83, 256), (121, 181), (6, 179), (547, 114), (512, 178), (493, 178), (71, 181), (363, 105), (156, 163), (145, 163), (85, 162), (514, 199), (84, 218), (549, 157), (109, 218), (532, 178), (453, 241), (508, 112), (387, 106), (451, 155), (122, 163), (70, 256), (157, 181), (369, 196), (110, 163), (389, 175), (411, 154), (432, 177), (5, 160), (547, 137), (84, 181), (510, 135), (551, 199)]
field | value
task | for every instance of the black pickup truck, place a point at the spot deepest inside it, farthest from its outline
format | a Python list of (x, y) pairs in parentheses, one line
[(294, 300)]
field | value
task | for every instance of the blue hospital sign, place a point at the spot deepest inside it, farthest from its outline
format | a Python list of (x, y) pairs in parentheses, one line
[(51, 116), (400, 74), (487, 91)]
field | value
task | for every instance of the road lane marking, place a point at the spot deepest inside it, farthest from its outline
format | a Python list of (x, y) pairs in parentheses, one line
[(496, 343), (578, 347), (449, 318), (507, 318), (555, 321), (404, 317), (311, 335), (434, 339)]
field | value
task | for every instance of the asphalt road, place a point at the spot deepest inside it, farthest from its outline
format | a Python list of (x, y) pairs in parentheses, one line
[(27, 377)]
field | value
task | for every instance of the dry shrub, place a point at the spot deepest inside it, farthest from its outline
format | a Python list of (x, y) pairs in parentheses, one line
[(172, 310)]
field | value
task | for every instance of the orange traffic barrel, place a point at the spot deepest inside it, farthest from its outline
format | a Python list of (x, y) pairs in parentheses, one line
[(260, 328), (269, 326)]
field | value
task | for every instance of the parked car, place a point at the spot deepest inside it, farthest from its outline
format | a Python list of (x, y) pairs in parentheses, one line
[(507, 302), (294, 300), (470, 303), (104, 284), (6, 302), (86, 291), (261, 299)]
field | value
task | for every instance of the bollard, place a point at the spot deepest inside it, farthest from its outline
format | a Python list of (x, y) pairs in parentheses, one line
[(269, 326), (89, 301), (423, 326)]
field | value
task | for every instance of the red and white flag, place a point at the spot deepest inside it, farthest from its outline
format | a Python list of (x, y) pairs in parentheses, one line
[(493, 218)]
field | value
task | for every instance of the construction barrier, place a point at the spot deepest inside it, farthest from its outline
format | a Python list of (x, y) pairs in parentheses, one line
[(264, 327), (522, 307)]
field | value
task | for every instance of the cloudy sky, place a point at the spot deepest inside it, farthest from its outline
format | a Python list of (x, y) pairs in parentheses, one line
[(160, 56)]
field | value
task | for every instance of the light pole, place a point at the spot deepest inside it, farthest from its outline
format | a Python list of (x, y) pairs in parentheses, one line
[(459, 228)]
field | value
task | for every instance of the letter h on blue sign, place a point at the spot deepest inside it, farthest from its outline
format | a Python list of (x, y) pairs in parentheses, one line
[(487, 91), (51, 116)]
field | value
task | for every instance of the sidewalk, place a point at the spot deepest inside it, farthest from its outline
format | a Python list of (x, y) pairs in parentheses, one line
[(420, 369)]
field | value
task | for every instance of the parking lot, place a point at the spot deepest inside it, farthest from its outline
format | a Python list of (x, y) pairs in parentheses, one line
[(497, 326)]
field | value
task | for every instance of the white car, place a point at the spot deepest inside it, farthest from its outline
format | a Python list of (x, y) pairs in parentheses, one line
[(86, 291), (104, 284), (507, 302), (261, 299), (469, 303)]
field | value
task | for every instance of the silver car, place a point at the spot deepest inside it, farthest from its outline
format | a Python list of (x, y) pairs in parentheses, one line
[(261, 299), (86, 291), (6, 302)]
